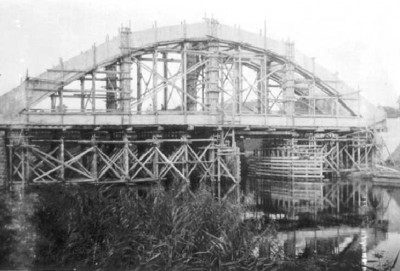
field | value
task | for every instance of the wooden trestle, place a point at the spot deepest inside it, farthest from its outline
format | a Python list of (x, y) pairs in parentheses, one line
[(308, 174), (315, 157), (125, 157)]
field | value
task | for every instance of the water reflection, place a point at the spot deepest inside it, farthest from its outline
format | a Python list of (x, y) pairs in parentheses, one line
[(353, 220)]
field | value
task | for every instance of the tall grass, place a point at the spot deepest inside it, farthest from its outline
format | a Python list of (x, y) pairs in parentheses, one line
[(115, 228), (7, 234)]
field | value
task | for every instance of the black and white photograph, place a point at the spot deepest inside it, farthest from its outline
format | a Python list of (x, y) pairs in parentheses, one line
[(199, 135)]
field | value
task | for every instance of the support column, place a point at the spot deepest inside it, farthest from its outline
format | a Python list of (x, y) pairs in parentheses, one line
[(192, 79), (212, 91), (138, 85), (237, 165), (126, 66), (165, 70), (93, 92), (267, 92), (53, 103), (94, 158), (111, 88), (156, 158), (62, 158), (126, 156), (184, 79), (185, 168), (83, 95), (10, 160), (262, 95), (288, 83), (3, 160), (211, 158), (26, 155), (155, 81), (237, 71)]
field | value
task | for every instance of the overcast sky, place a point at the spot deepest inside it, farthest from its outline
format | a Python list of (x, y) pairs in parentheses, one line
[(358, 39)]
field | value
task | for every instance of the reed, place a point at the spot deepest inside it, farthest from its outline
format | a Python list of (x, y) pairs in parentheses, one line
[(119, 228)]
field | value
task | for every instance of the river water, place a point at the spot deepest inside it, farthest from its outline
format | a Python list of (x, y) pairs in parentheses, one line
[(351, 219), (347, 218)]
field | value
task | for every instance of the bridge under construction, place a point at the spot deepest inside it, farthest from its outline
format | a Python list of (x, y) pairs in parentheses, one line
[(176, 104)]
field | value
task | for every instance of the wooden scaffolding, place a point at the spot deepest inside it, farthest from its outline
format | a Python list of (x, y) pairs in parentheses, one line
[(124, 157), (315, 157)]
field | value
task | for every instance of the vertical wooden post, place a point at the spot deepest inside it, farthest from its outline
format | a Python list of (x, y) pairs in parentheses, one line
[(126, 156), (219, 174), (8, 143), (236, 156), (311, 91), (267, 92), (156, 158), (94, 158), (27, 158), (359, 151), (366, 151), (203, 88), (353, 151), (93, 92), (23, 165), (139, 85), (359, 194), (62, 158), (155, 81), (186, 159), (337, 106), (60, 92), (26, 87), (94, 80), (83, 94), (165, 59), (338, 198), (53, 103), (10, 165), (238, 82), (338, 155), (211, 158), (222, 102), (260, 88), (184, 78)]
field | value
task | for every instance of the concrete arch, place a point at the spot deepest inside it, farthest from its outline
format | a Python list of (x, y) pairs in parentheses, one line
[(129, 46)]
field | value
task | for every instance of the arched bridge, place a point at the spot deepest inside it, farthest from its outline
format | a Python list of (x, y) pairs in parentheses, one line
[(204, 74), (175, 103)]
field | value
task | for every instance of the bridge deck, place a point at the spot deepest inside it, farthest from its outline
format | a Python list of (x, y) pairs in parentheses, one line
[(197, 119)]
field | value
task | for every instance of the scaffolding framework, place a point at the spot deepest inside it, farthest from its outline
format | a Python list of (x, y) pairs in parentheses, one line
[(317, 157), (123, 157)]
